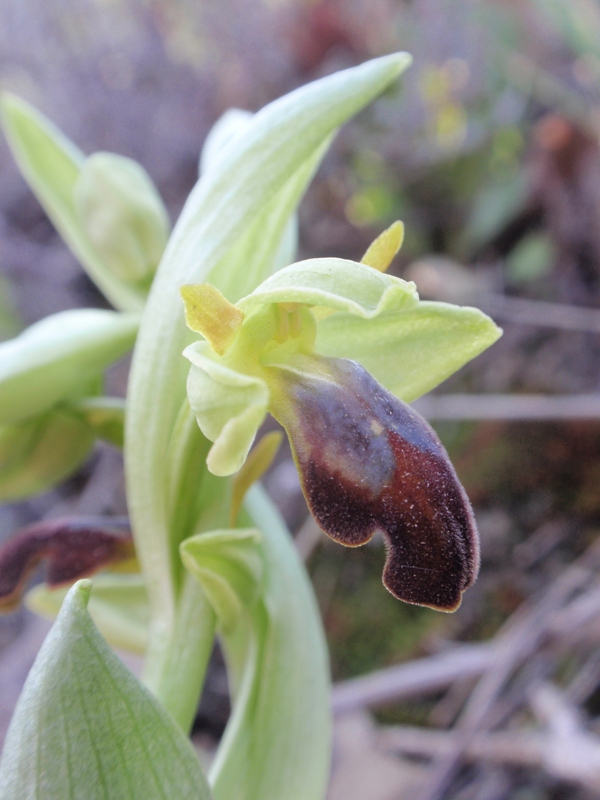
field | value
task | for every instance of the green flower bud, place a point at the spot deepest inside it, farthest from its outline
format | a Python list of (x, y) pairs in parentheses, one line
[(40, 453), (58, 357), (123, 215)]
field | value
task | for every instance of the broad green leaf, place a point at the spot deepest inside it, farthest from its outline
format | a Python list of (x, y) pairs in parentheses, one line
[(118, 605), (336, 284), (269, 241), (412, 352), (57, 357), (84, 727), (40, 453), (51, 165), (277, 742)]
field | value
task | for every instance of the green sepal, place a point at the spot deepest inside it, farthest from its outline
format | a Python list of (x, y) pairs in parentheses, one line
[(229, 407), (51, 165), (123, 216), (57, 357), (337, 284), (85, 727), (409, 353), (118, 605), (228, 564), (40, 453)]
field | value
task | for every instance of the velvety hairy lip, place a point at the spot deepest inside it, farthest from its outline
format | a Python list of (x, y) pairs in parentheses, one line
[(369, 462), (72, 548)]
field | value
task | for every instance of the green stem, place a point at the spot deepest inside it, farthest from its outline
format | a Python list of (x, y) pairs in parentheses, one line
[(176, 661)]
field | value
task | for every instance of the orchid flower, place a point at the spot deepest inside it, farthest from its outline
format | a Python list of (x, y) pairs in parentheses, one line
[(366, 460)]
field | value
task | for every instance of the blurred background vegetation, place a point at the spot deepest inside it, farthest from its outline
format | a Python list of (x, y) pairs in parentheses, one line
[(489, 152)]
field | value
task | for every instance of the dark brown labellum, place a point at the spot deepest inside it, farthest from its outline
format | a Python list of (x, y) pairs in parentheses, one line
[(72, 548), (368, 462)]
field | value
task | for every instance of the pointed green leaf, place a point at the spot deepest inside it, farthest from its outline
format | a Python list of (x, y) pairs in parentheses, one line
[(337, 284), (84, 727), (118, 605), (412, 352), (57, 357), (51, 164), (40, 453)]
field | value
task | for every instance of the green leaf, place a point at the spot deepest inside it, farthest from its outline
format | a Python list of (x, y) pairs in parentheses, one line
[(118, 606), (222, 135), (269, 241), (57, 357), (84, 727), (51, 164), (277, 742), (229, 407), (38, 454), (412, 352), (336, 284)]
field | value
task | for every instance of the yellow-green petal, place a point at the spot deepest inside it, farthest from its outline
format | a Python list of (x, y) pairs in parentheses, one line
[(229, 408)]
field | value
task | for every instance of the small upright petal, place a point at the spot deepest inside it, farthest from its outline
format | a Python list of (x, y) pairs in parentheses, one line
[(381, 252), (369, 463), (209, 313)]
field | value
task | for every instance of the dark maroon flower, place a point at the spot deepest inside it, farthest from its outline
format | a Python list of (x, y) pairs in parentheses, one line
[(368, 462)]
